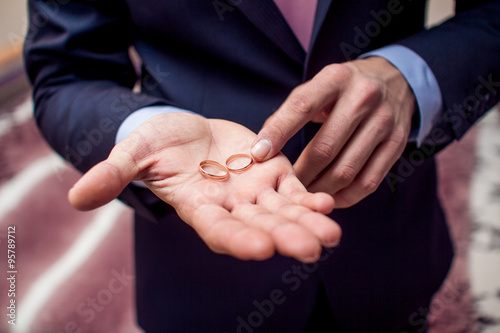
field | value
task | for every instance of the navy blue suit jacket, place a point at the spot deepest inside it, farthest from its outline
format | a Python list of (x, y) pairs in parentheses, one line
[(238, 61)]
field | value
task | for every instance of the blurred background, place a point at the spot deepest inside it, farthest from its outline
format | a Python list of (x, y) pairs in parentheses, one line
[(74, 271)]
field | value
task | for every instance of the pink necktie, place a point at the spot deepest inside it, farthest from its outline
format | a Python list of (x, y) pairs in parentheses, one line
[(299, 14)]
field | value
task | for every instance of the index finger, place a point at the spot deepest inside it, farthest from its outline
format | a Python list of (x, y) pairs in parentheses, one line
[(300, 107)]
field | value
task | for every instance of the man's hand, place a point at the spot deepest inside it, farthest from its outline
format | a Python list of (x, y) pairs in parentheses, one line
[(249, 216), (366, 107)]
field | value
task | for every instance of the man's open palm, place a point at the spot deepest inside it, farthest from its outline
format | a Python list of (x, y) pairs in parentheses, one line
[(249, 216)]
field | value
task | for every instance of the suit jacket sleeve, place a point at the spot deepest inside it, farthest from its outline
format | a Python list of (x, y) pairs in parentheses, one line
[(76, 55), (463, 54), (77, 58)]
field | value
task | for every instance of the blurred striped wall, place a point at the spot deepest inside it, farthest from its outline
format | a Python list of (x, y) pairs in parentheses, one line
[(13, 27)]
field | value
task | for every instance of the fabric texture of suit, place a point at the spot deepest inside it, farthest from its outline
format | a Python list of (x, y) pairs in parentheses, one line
[(239, 61)]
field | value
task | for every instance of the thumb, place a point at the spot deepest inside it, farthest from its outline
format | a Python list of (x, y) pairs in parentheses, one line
[(302, 105), (104, 182)]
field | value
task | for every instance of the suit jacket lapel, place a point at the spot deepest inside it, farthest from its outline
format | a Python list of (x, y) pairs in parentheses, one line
[(266, 16), (321, 11)]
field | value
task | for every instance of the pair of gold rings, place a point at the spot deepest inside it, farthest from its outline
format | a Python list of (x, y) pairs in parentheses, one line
[(215, 170)]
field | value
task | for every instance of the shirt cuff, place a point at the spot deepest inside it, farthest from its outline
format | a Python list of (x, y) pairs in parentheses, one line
[(421, 80), (136, 118)]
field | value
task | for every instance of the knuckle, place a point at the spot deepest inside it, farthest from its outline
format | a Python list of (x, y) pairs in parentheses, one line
[(385, 118), (323, 150), (337, 70), (398, 140), (368, 90), (369, 185), (399, 137), (334, 74), (344, 174), (300, 104), (277, 129)]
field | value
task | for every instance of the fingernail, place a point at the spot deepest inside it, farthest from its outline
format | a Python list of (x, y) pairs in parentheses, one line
[(332, 243), (261, 149), (310, 260)]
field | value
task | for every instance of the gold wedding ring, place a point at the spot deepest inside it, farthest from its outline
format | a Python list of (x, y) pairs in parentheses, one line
[(220, 173), (215, 170), (239, 168)]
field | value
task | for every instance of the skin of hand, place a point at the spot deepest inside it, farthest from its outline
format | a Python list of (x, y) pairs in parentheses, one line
[(365, 107), (250, 216)]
